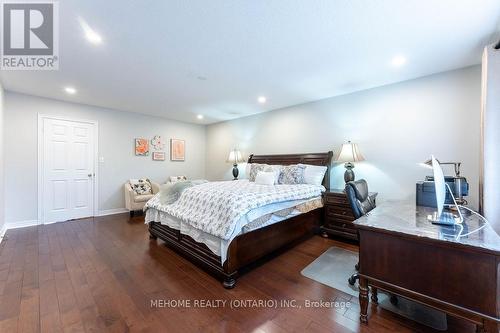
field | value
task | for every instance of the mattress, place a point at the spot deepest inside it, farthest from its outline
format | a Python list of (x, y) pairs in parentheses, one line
[(254, 219)]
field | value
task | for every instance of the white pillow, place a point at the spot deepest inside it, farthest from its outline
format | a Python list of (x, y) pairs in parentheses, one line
[(276, 169), (247, 170), (314, 174), (265, 178)]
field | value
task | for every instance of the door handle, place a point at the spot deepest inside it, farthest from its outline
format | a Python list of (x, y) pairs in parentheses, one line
[(90, 175)]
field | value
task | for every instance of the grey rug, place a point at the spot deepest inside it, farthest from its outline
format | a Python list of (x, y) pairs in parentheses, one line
[(336, 265)]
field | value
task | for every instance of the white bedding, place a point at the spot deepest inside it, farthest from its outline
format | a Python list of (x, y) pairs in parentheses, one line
[(215, 213), (216, 244), (216, 207)]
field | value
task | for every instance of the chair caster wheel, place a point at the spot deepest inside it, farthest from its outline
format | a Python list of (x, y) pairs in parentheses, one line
[(351, 281)]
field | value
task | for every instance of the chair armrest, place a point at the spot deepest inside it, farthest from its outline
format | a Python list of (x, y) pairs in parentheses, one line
[(129, 195), (155, 187)]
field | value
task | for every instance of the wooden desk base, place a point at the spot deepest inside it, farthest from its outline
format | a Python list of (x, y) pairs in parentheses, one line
[(365, 286), (457, 280)]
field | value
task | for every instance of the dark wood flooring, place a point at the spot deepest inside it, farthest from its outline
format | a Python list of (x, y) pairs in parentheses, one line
[(100, 275)]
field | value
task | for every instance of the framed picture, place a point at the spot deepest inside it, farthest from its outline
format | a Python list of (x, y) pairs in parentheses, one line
[(177, 150), (141, 147), (158, 156), (157, 142)]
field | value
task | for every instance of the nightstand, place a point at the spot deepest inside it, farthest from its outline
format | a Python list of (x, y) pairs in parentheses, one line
[(338, 215)]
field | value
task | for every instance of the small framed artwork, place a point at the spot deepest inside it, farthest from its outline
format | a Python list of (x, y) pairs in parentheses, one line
[(158, 156), (177, 150), (141, 147), (157, 142)]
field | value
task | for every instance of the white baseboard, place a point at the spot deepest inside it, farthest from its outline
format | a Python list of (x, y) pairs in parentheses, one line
[(112, 211), (20, 224), (15, 225), (2, 232)]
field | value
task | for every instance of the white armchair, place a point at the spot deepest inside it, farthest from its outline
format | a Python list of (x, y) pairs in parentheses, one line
[(134, 201)]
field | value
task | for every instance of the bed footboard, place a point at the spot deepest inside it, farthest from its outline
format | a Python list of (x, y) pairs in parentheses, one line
[(244, 250)]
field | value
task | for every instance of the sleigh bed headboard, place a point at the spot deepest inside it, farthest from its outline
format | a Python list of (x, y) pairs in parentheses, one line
[(324, 159)]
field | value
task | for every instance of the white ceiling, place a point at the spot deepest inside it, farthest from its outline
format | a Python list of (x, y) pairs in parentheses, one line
[(291, 51)]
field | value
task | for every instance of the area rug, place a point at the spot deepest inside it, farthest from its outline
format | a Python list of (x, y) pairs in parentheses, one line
[(336, 265)]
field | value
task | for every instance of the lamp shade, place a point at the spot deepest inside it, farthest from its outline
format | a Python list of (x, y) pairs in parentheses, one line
[(235, 157), (349, 153)]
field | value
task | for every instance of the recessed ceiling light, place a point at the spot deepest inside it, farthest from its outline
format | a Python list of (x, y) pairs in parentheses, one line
[(70, 90), (200, 116), (398, 61), (262, 99), (91, 35)]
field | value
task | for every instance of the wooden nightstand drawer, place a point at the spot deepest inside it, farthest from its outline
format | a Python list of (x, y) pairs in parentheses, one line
[(336, 199), (338, 216), (341, 225), (345, 229), (341, 212)]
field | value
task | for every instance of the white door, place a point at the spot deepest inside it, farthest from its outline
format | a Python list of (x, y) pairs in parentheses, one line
[(68, 170)]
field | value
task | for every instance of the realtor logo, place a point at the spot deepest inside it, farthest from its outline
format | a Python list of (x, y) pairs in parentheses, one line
[(30, 36)]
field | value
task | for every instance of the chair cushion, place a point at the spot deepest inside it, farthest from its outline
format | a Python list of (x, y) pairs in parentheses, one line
[(143, 197)]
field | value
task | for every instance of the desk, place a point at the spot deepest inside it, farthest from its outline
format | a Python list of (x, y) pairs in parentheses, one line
[(402, 253)]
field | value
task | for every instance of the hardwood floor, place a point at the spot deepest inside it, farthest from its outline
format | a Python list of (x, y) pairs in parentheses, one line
[(101, 275)]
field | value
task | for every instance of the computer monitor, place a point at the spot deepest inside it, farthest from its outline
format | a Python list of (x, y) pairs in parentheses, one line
[(440, 187)]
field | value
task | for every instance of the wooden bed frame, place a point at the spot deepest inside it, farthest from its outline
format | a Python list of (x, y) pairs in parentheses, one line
[(254, 245)]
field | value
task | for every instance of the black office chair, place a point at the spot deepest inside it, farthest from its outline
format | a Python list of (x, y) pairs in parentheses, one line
[(361, 203)]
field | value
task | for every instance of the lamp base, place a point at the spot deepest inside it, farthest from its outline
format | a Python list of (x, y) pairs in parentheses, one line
[(349, 174), (235, 171)]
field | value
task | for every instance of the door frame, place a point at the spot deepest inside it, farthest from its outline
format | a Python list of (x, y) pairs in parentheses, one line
[(41, 118)]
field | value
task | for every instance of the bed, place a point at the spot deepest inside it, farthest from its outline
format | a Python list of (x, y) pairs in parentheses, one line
[(247, 247)]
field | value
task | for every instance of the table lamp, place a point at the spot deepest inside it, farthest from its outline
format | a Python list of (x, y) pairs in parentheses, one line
[(235, 157), (349, 153)]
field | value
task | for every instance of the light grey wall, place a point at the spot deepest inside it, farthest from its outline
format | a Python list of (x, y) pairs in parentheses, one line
[(2, 159), (396, 126), (491, 133), (117, 130)]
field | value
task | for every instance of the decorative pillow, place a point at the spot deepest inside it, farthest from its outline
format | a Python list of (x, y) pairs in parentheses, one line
[(314, 174), (141, 186), (292, 174), (254, 169), (175, 179), (265, 178)]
